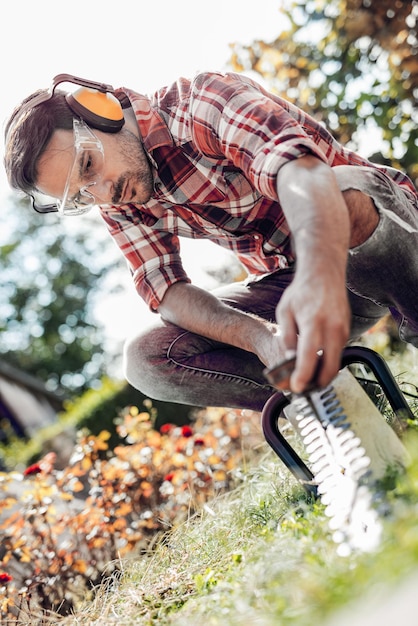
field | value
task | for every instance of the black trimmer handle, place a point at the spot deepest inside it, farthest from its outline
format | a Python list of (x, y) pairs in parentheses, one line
[(379, 367), (275, 405), (272, 410)]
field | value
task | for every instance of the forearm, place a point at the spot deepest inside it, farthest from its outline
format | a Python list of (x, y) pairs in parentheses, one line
[(316, 213), (313, 313), (201, 312)]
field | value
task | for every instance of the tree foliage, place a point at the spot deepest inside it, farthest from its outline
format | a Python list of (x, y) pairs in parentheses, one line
[(353, 64), (49, 275)]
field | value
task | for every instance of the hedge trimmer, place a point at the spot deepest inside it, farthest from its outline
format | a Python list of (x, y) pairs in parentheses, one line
[(348, 443)]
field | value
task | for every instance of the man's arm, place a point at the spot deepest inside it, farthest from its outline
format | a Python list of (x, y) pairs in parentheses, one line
[(313, 313), (201, 312)]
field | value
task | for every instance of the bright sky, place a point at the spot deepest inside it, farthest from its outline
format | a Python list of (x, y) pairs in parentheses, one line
[(122, 43), (125, 43)]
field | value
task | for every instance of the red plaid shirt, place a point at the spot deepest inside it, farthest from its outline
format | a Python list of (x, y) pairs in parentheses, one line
[(216, 144)]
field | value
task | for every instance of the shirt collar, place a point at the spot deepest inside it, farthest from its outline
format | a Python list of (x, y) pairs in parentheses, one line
[(152, 127)]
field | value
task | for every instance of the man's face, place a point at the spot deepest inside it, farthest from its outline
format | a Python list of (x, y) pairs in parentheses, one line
[(121, 174)]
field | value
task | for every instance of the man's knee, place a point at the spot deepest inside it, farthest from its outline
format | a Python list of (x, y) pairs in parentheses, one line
[(141, 363)]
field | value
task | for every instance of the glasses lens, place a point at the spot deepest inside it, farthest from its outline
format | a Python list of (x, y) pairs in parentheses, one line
[(84, 173), (82, 203)]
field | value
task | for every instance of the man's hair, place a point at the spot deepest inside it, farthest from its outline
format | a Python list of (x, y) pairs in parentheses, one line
[(27, 135)]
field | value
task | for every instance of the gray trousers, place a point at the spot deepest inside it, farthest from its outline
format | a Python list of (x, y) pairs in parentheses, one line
[(168, 363)]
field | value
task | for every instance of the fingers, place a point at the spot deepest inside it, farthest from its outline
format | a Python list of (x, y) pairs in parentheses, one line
[(288, 332), (330, 361), (318, 346), (317, 363)]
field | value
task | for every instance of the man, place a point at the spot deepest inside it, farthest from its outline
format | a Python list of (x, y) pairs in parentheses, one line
[(329, 240)]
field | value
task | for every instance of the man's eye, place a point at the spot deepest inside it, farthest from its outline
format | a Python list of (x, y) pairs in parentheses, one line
[(87, 169), (88, 164)]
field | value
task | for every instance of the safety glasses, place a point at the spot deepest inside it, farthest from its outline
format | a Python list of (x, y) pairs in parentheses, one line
[(83, 175)]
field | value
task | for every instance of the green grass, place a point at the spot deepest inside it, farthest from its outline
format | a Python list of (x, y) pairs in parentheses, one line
[(261, 555)]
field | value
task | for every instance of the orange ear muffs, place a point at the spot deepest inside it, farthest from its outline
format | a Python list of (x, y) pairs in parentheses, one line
[(102, 111), (94, 103)]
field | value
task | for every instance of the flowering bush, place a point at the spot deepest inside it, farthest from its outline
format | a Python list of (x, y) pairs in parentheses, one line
[(64, 530)]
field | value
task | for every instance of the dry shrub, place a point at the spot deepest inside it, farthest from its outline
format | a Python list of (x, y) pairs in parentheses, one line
[(63, 531)]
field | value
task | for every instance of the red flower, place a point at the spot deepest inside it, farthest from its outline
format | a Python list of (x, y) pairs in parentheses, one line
[(32, 469), (46, 465), (5, 578), (166, 428), (169, 476), (186, 431), (199, 441)]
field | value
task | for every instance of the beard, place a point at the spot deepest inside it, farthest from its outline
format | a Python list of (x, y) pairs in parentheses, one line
[(137, 179)]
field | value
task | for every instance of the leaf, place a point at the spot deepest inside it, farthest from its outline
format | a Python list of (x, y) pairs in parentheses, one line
[(67, 497), (119, 524), (124, 509), (80, 566), (147, 489), (7, 502), (6, 604)]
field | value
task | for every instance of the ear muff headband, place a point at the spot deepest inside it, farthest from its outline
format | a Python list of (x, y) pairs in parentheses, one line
[(95, 103)]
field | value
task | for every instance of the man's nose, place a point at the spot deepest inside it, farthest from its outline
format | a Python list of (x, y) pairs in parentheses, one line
[(102, 191)]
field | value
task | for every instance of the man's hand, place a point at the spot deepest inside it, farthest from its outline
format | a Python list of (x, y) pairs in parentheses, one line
[(314, 317), (313, 314)]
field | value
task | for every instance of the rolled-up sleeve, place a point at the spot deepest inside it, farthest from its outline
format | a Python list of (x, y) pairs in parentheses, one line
[(153, 256), (235, 118)]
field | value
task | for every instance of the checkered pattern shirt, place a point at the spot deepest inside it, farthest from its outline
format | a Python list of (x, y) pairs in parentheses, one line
[(216, 144)]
